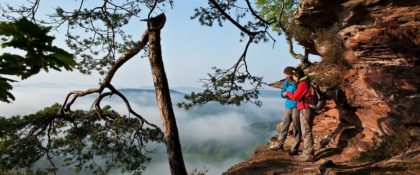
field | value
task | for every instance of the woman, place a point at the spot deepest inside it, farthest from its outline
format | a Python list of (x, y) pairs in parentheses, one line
[(290, 115), (305, 113)]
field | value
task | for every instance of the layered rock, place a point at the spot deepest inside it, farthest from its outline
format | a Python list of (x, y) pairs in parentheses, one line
[(375, 45), (370, 51)]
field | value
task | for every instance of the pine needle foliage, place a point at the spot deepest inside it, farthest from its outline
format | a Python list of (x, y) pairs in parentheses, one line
[(40, 53), (80, 141)]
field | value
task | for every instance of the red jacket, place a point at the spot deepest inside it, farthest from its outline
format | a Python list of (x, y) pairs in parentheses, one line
[(301, 92)]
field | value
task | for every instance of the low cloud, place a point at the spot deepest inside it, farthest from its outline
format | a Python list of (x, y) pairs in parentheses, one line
[(226, 127), (210, 123)]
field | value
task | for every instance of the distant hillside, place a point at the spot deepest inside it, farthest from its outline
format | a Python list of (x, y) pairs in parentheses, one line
[(132, 90), (185, 90), (270, 93)]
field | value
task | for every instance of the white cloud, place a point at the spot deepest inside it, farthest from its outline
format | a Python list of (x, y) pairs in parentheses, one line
[(222, 127)]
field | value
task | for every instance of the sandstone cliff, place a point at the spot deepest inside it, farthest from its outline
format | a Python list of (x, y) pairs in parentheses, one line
[(371, 66)]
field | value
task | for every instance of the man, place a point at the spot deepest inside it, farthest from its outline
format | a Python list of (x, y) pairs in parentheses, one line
[(305, 113), (290, 115)]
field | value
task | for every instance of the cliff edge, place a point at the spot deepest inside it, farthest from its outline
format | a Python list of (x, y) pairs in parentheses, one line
[(370, 67)]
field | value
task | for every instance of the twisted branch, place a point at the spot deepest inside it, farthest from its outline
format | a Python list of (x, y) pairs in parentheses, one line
[(106, 83), (242, 28), (302, 58)]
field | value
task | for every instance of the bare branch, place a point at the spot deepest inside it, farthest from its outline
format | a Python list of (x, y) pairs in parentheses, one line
[(256, 15), (302, 58), (242, 58), (35, 9), (151, 11), (127, 103), (73, 95), (108, 77), (242, 28), (49, 148)]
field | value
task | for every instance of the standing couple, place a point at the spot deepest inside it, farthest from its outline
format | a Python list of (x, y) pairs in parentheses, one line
[(295, 89)]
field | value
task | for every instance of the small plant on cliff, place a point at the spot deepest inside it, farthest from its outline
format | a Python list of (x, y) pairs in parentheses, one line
[(326, 75), (329, 81), (391, 145)]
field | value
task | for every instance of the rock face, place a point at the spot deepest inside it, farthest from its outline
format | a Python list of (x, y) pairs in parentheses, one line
[(375, 45), (371, 49)]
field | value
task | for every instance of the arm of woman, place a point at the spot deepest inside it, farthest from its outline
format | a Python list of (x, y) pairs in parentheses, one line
[(283, 88), (298, 94)]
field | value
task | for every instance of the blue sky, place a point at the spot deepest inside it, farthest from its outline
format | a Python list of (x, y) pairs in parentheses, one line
[(189, 51)]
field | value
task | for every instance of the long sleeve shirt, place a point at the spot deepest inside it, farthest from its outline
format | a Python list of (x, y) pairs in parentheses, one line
[(301, 93), (288, 86)]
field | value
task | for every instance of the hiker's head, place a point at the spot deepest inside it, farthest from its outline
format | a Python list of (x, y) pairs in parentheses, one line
[(288, 72), (297, 74)]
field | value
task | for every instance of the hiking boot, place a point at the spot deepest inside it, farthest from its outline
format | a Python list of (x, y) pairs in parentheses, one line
[(293, 152)]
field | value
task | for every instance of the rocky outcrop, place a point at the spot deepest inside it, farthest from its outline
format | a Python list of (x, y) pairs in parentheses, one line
[(375, 45), (370, 53)]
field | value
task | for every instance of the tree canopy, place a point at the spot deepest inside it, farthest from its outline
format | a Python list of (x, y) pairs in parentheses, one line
[(40, 54), (77, 140), (104, 38), (80, 136), (237, 84)]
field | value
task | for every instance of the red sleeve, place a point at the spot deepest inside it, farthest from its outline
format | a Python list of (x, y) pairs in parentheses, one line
[(301, 89)]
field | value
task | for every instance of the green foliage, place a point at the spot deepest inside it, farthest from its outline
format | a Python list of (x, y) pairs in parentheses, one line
[(27, 171), (40, 53), (5, 87), (210, 15), (391, 145), (227, 86), (280, 14), (98, 30), (271, 9), (78, 140)]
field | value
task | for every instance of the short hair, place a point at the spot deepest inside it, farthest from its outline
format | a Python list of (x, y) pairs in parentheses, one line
[(288, 70)]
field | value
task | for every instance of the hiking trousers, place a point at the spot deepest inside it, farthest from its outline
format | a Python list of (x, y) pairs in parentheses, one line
[(306, 121), (289, 116)]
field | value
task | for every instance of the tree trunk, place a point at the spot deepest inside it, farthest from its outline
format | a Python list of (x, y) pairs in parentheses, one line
[(304, 59), (170, 130)]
